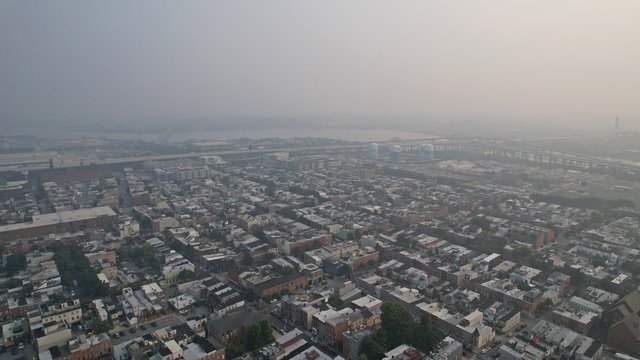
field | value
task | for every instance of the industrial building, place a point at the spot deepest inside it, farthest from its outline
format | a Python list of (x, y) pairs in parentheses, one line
[(60, 222)]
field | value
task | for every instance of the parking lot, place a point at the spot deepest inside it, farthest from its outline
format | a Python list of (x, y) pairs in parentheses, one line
[(126, 334)]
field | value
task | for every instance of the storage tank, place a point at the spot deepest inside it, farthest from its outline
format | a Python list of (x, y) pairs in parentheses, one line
[(373, 151), (425, 151), (395, 153)]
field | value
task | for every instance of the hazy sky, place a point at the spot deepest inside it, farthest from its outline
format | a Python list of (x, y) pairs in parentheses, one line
[(542, 60)]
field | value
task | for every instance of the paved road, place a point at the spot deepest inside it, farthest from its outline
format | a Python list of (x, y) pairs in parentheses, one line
[(168, 320), (28, 352), (70, 163)]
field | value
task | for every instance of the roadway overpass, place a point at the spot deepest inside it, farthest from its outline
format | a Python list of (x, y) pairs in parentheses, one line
[(42, 163), (493, 147)]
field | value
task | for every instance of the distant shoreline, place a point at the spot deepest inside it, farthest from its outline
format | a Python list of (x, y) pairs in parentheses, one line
[(365, 135)]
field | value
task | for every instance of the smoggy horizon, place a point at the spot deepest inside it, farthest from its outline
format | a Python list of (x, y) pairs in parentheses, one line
[(569, 64)]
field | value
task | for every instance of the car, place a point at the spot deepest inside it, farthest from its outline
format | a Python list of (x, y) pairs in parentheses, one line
[(484, 351), (116, 335), (143, 327), (73, 293), (75, 282), (21, 346), (15, 350), (132, 330), (154, 324), (121, 333)]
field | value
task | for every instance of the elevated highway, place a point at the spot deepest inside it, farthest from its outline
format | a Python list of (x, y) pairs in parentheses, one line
[(507, 149), (78, 161)]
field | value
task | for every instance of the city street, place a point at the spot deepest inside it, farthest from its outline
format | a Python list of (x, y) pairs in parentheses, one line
[(168, 320)]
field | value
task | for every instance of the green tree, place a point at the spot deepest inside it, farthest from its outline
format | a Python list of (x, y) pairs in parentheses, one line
[(521, 252), (259, 233), (481, 222), (336, 302), (403, 240), (266, 335), (232, 350), (186, 275), (523, 285), (143, 256), (596, 218), (15, 263), (101, 327), (247, 260), (396, 322), (253, 336), (398, 327), (425, 336), (14, 283), (259, 334), (374, 346), (544, 306), (73, 265), (363, 356)]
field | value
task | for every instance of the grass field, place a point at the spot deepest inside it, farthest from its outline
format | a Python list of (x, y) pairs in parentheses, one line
[(601, 190)]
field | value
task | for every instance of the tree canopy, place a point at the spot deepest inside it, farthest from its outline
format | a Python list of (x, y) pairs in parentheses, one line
[(481, 222), (100, 327), (399, 327), (584, 202), (259, 334), (73, 265), (232, 350), (143, 256), (15, 263)]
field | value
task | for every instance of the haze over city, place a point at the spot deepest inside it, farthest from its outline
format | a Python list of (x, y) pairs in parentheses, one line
[(562, 63), (320, 180)]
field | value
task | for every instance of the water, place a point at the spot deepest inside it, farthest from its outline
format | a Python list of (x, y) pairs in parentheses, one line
[(367, 135)]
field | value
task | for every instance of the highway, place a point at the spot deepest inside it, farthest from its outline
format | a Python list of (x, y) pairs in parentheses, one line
[(499, 146), (76, 162)]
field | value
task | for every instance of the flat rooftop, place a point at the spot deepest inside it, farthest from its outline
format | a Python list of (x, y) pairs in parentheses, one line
[(61, 217)]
